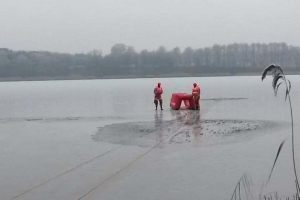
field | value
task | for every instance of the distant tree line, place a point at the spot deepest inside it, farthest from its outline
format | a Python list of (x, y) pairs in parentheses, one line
[(125, 61)]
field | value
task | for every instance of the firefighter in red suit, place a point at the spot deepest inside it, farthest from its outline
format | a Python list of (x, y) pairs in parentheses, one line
[(157, 96), (196, 95)]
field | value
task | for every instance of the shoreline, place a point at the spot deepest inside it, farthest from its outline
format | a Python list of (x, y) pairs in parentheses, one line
[(174, 75)]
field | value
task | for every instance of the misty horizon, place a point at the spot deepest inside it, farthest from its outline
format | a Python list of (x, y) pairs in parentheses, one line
[(98, 50), (124, 61), (79, 27)]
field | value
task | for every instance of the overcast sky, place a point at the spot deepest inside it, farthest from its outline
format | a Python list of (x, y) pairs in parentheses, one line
[(79, 26)]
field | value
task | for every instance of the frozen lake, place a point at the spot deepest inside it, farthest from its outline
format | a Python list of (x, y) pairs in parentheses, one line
[(102, 139)]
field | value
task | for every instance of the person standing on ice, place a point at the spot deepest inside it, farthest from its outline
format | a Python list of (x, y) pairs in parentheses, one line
[(196, 95), (157, 96)]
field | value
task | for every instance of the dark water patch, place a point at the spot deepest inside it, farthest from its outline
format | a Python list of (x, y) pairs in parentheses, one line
[(136, 133), (180, 131), (208, 131)]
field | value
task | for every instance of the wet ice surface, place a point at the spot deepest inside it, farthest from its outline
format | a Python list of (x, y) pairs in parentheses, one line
[(182, 130), (90, 140), (57, 119), (217, 131)]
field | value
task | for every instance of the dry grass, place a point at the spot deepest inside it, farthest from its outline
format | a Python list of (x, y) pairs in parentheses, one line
[(279, 79)]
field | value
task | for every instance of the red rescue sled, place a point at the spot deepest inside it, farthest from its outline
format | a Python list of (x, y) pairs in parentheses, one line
[(177, 98)]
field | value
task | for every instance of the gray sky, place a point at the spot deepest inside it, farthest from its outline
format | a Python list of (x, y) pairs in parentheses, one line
[(78, 26)]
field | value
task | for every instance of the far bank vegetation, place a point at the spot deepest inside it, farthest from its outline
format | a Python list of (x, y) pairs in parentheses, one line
[(124, 61)]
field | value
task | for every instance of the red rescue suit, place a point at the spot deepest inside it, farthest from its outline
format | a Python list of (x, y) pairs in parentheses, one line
[(157, 93), (196, 95)]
